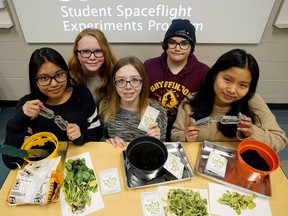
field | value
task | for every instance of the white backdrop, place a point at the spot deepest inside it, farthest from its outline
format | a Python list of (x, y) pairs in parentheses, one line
[(124, 21)]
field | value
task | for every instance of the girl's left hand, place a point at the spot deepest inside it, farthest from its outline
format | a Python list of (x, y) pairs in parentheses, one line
[(245, 126), (154, 131), (116, 141), (73, 131)]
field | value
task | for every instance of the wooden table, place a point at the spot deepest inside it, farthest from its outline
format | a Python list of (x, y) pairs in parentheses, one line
[(128, 201)]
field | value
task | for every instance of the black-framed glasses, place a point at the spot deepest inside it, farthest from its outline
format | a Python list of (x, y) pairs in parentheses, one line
[(121, 83), (184, 45), (98, 53), (45, 80)]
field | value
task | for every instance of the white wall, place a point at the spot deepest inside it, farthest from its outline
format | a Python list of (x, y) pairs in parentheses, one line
[(271, 53)]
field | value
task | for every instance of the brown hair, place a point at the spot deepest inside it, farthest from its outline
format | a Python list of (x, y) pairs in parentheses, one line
[(112, 102), (106, 69)]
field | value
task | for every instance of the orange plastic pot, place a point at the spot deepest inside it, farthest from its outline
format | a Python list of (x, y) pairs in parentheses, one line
[(266, 152)]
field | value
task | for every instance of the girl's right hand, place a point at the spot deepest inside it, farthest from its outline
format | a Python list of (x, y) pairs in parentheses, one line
[(32, 108), (191, 131)]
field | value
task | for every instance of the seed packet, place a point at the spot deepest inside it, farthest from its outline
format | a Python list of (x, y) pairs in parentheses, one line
[(110, 181), (216, 164), (149, 117), (152, 204), (174, 166)]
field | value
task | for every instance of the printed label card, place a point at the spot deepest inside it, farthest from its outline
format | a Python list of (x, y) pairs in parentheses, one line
[(152, 204), (216, 164), (110, 181), (174, 166), (149, 117)]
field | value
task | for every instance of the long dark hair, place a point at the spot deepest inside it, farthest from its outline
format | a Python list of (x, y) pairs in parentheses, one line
[(39, 57), (203, 101)]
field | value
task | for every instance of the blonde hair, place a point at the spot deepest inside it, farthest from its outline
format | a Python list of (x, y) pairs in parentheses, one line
[(111, 104), (106, 69)]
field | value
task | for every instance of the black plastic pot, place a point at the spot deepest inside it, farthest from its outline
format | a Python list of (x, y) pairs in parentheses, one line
[(146, 157)]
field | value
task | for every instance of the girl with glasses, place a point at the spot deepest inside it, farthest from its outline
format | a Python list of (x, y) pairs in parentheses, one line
[(51, 88), (122, 110), (92, 62)]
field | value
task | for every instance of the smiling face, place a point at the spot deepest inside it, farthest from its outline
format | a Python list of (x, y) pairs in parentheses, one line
[(129, 95), (92, 64), (54, 90), (231, 85)]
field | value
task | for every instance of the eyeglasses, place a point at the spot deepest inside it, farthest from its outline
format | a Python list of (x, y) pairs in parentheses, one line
[(184, 45), (121, 83), (45, 80), (98, 53)]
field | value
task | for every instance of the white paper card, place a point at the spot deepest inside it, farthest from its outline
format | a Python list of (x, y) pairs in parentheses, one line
[(152, 204), (217, 164), (149, 117), (217, 190), (109, 181), (174, 166)]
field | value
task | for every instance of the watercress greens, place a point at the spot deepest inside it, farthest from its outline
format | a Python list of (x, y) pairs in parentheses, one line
[(79, 182)]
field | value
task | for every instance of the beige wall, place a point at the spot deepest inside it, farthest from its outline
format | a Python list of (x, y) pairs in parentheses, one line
[(271, 53)]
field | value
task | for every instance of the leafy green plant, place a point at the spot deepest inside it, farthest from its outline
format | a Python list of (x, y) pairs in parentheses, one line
[(185, 202), (79, 182), (237, 201)]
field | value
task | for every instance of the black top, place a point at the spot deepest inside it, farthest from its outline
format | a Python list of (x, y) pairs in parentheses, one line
[(80, 108)]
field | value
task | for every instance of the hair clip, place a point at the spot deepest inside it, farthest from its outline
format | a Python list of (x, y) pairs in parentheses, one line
[(58, 120), (47, 113), (223, 120), (230, 120), (202, 122)]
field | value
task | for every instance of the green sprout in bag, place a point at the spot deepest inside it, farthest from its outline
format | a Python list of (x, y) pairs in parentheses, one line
[(79, 182)]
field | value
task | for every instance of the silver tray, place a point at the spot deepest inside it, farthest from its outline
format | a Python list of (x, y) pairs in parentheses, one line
[(164, 176), (231, 178)]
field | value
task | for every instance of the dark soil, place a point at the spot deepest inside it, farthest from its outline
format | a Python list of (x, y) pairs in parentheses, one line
[(147, 157), (253, 158)]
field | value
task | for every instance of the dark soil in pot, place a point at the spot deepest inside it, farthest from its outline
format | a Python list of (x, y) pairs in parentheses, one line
[(147, 157), (253, 159)]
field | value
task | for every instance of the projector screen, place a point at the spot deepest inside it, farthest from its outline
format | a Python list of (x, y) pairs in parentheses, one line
[(123, 21)]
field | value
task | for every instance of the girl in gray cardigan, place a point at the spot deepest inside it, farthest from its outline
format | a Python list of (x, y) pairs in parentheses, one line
[(122, 110)]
